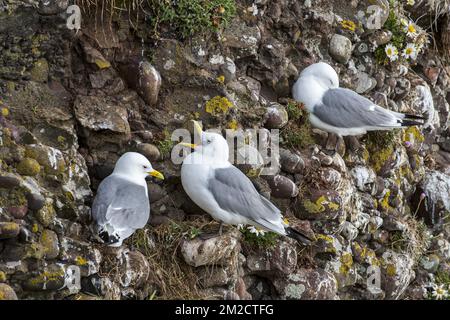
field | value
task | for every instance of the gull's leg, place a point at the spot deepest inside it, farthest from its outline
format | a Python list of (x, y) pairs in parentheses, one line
[(331, 144), (352, 144), (209, 235)]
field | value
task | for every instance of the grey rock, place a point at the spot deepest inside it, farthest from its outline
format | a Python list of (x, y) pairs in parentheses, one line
[(307, 284), (340, 48), (276, 116), (291, 162), (9, 181), (143, 77), (52, 7), (7, 293), (282, 187), (217, 250), (149, 150), (281, 259)]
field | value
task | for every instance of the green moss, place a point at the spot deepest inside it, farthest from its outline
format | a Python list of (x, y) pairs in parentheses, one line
[(380, 145), (188, 17), (295, 110), (265, 241), (394, 25), (28, 167), (298, 132), (165, 143)]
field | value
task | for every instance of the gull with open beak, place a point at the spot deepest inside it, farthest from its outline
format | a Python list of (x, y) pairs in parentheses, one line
[(121, 205), (226, 193)]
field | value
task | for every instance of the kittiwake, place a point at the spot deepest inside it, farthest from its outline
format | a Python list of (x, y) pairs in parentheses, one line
[(121, 205), (226, 193), (342, 111)]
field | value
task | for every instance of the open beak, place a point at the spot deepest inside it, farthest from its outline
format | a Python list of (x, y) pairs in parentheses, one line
[(156, 174)]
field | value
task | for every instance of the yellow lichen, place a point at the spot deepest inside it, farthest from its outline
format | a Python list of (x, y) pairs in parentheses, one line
[(5, 112), (80, 261), (102, 64), (35, 228), (391, 270), (413, 134), (348, 24), (319, 205), (324, 237), (220, 79), (218, 104), (384, 203), (233, 124), (346, 263), (379, 158), (2, 276)]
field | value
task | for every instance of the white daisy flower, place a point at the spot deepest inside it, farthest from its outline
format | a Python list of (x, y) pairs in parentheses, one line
[(391, 52), (410, 2), (240, 226), (258, 232), (410, 29), (439, 292), (410, 51), (403, 21)]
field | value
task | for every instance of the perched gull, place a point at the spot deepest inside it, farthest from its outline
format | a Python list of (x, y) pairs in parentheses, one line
[(226, 193), (121, 205), (343, 111)]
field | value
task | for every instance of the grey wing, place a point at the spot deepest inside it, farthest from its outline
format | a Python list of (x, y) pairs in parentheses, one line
[(234, 192), (345, 108), (121, 204)]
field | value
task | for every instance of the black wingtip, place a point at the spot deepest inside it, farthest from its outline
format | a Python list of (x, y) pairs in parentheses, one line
[(107, 238), (297, 235), (413, 116), (409, 123)]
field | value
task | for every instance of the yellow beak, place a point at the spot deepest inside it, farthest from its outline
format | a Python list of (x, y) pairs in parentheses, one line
[(189, 145), (156, 174)]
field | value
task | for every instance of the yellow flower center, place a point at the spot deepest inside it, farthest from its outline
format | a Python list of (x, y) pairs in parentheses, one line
[(408, 50), (411, 28), (389, 51)]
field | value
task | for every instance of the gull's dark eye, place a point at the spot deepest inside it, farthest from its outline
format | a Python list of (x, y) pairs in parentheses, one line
[(145, 167), (208, 141)]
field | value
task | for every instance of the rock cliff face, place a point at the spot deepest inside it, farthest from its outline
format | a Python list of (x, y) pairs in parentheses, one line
[(73, 101)]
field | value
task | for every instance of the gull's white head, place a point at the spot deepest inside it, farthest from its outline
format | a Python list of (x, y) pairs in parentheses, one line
[(212, 145), (135, 165), (323, 73)]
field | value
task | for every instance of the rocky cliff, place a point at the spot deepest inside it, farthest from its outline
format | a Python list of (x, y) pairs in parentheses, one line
[(73, 100)]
